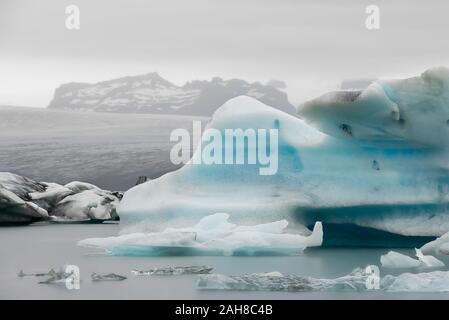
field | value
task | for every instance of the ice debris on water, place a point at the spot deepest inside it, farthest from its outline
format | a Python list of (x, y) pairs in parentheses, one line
[(24, 201), (169, 270), (107, 277), (22, 274), (276, 281), (58, 277)]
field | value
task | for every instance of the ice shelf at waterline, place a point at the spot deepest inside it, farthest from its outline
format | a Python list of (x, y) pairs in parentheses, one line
[(375, 158)]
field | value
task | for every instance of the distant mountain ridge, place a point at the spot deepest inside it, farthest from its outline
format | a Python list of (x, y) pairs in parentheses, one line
[(153, 94)]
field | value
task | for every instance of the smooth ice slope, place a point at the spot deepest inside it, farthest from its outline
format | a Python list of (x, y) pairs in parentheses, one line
[(375, 158)]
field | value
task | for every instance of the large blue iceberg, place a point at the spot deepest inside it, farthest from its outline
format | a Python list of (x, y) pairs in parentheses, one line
[(375, 158)]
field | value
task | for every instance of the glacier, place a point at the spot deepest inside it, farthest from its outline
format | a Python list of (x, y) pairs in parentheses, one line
[(374, 158), (439, 245)]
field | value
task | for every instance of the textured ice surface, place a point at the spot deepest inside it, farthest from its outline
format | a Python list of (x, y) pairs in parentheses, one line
[(60, 277), (439, 245), (435, 281), (22, 274), (275, 281), (23, 201), (89, 204), (397, 260), (212, 235), (357, 280), (170, 271), (428, 260), (374, 158), (107, 277)]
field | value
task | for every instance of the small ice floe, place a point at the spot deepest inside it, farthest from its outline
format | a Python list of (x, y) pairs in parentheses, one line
[(213, 235), (22, 274), (276, 281), (439, 245), (398, 260), (59, 277), (107, 277), (395, 259), (435, 281), (24, 201), (171, 271), (428, 260)]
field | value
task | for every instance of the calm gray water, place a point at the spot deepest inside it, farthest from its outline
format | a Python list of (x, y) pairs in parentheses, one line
[(38, 248), (108, 150)]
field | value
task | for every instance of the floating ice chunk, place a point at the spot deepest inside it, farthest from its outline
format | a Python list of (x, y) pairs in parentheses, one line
[(107, 277), (164, 271), (428, 260), (435, 281), (212, 235), (22, 274), (275, 281), (60, 277), (357, 280), (398, 260), (439, 245), (24, 201)]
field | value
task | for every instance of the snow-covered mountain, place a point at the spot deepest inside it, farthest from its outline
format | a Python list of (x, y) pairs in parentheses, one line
[(151, 93)]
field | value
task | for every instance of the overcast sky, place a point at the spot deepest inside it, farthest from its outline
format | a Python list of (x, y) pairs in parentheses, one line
[(311, 45)]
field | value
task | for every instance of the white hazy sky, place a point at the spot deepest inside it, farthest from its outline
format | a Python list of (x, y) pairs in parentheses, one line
[(311, 45)]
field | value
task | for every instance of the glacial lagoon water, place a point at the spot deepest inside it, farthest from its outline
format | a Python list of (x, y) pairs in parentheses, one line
[(38, 248)]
